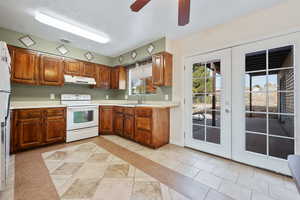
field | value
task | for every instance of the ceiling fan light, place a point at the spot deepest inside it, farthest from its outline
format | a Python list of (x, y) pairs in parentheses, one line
[(59, 24)]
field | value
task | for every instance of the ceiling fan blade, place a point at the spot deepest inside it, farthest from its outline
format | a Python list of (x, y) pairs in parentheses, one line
[(138, 5), (183, 12)]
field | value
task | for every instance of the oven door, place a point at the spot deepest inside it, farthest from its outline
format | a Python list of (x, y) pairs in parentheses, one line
[(82, 117)]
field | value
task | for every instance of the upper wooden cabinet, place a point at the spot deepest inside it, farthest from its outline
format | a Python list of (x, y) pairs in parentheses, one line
[(162, 64), (88, 70), (103, 76), (51, 70), (24, 66), (118, 78), (72, 67)]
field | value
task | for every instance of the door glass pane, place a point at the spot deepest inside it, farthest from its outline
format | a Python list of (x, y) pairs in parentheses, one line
[(207, 84), (83, 116), (256, 61), (281, 57), (256, 82), (199, 132), (281, 80), (256, 143), (213, 101), (256, 101), (256, 122), (199, 70), (213, 135), (269, 100), (213, 118), (281, 147), (281, 102), (282, 125)]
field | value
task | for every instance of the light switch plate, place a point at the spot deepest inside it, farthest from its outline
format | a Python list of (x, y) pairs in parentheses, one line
[(126, 97), (166, 97), (107, 97)]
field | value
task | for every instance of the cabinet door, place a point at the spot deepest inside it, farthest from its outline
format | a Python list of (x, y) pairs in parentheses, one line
[(51, 70), (103, 77), (115, 78), (24, 66), (129, 126), (55, 125), (29, 133), (143, 130), (106, 120), (72, 67), (158, 69), (122, 81), (88, 70), (118, 123)]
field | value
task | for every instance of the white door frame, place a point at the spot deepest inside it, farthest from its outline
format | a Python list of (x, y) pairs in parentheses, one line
[(238, 111), (223, 149)]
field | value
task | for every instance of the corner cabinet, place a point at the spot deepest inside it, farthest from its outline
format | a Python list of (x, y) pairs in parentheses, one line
[(162, 64), (51, 70), (37, 127), (24, 65)]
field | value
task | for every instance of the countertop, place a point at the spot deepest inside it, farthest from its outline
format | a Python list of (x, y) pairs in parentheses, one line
[(56, 104)]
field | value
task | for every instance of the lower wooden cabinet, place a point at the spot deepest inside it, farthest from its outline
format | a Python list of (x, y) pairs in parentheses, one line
[(145, 125), (36, 127), (106, 120)]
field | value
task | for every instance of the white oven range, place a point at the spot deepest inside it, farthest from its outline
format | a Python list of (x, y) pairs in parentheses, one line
[(82, 117)]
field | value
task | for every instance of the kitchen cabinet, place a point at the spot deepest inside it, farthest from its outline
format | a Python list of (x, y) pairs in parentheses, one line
[(55, 125), (106, 120), (162, 64), (129, 120), (51, 70), (103, 76), (88, 70), (118, 120), (72, 67), (37, 127), (24, 66), (152, 126), (118, 78)]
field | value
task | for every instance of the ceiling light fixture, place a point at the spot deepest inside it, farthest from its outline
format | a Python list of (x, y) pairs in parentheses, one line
[(59, 24)]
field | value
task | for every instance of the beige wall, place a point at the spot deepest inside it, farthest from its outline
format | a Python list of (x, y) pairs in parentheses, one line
[(278, 19)]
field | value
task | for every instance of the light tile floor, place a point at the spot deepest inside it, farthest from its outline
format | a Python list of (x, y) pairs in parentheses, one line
[(241, 182), (89, 172)]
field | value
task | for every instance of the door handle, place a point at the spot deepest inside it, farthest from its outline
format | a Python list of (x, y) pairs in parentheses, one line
[(227, 110)]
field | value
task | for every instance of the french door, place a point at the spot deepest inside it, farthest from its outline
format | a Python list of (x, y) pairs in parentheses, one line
[(241, 103), (208, 103)]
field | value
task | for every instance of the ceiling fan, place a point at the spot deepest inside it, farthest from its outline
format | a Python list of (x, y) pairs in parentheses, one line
[(183, 10)]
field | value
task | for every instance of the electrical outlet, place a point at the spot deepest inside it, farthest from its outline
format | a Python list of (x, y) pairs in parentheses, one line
[(126, 97), (107, 97), (52, 96), (167, 97)]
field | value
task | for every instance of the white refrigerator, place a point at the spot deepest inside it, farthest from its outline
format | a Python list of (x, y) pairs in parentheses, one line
[(5, 92)]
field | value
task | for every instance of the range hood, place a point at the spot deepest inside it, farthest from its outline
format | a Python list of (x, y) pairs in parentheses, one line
[(79, 80)]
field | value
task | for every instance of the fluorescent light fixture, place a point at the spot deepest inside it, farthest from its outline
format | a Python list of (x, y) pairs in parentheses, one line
[(59, 24)]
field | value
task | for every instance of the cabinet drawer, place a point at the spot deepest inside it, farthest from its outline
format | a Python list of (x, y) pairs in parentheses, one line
[(118, 109), (143, 112), (29, 114), (129, 111), (55, 112), (144, 123)]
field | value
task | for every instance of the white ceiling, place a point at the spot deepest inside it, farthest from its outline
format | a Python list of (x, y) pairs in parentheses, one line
[(126, 29)]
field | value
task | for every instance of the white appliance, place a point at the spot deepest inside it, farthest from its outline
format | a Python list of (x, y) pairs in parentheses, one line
[(82, 117), (5, 92), (79, 80)]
